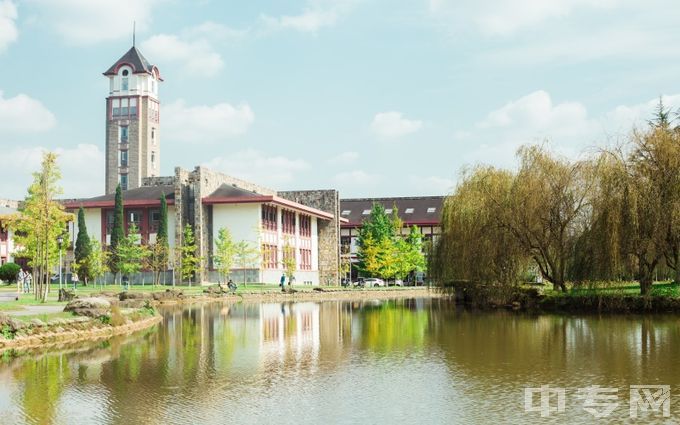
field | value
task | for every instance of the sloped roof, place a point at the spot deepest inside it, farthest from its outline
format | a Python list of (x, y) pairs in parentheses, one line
[(145, 195), (134, 58), (231, 191), (412, 210)]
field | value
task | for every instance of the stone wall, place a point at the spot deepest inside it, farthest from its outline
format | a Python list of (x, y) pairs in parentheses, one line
[(158, 181), (9, 203), (329, 231)]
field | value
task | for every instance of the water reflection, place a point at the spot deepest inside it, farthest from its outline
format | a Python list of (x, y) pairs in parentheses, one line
[(399, 361)]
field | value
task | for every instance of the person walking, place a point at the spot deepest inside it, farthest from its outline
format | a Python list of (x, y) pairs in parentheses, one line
[(21, 276), (282, 281)]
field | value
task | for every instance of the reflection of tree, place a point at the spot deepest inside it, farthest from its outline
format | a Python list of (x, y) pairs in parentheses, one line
[(43, 380), (392, 327)]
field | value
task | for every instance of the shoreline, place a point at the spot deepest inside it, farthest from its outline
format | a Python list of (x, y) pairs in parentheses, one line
[(94, 331), (304, 296)]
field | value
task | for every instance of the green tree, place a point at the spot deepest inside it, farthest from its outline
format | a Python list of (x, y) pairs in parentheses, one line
[(163, 222), (246, 255), (190, 263), (157, 260), (225, 250), (288, 261), (117, 232), (97, 260), (130, 253), (41, 220), (375, 242), (83, 249)]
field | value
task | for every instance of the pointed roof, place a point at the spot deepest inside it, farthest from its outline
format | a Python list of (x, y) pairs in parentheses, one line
[(135, 59)]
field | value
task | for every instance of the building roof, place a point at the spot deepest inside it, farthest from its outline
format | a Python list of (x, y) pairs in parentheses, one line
[(135, 59), (229, 194), (421, 210), (141, 196)]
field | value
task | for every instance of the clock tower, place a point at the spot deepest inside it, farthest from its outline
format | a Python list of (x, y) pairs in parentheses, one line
[(132, 122)]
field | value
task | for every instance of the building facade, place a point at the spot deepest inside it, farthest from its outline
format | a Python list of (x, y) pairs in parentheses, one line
[(8, 208), (424, 212), (132, 122)]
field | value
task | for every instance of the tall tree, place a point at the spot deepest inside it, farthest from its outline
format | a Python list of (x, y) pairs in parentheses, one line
[(117, 232), (130, 253), (246, 255), (41, 221), (288, 260), (163, 222), (97, 260), (83, 248), (159, 251), (225, 250), (190, 263)]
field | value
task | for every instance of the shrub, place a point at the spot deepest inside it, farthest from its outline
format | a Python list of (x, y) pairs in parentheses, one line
[(9, 271)]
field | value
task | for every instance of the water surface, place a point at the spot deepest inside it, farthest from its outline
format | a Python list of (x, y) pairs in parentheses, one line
[(404, 361)]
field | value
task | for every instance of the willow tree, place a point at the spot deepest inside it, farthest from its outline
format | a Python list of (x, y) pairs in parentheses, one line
[(476, 245), (548, 209), (41, 221)]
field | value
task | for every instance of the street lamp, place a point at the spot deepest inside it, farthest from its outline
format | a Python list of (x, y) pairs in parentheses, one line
[(60, 242)]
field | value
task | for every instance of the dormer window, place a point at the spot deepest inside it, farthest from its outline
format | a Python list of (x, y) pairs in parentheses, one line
[(125, 73)]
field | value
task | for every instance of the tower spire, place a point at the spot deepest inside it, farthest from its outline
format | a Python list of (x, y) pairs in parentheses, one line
[(134, 23)]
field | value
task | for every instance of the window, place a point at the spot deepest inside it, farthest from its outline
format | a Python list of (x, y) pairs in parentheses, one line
[(288, 222), (346, 212), (123, 181), (431, 210), (305, 226), (125, 73), (366, 212), (408, 211), (154, 220), (269, 217), (123, 134), (305, 259), (123, 159), (153, 136), (133, 106), (269, 256), (109, 222), (124, 82), (124, 106), (134, 217), (388, 211), (115, 107), (153, 159)]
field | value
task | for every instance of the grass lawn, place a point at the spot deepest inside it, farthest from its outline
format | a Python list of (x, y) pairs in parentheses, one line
[(668, 289)]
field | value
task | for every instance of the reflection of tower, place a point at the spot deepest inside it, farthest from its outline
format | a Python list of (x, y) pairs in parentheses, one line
[(132, 122)]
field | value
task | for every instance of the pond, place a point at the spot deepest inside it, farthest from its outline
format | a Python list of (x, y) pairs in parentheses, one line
[(415, 361)]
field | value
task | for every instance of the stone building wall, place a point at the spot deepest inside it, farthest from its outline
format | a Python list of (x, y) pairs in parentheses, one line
[(329, 231), (158, 181)]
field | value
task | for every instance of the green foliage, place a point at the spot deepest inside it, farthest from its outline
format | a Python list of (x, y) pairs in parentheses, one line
[(9, 271), (246, 255), (190, 263), (225, 250), (6, 332), (97, 260), (131, 253), (383, 252), (83, 248), (117, 232), (157, 259), (288, 261), (163, 223), (41, 221)]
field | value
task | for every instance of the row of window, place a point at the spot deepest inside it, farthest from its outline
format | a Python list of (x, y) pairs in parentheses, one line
[(123, 107), (305, 259), (135, 217), (269, 221), (270, 257), (430, 210), (288, 222)]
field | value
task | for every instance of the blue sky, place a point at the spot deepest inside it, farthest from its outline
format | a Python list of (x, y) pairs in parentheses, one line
[(372, 97)]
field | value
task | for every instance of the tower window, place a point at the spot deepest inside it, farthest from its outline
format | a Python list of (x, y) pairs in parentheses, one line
[(115, 107), (153, 136), (124, 83), (133, 106), (125, 73), (124, 106), (123, 134), (123, 158), (153, 159), (123, 181)]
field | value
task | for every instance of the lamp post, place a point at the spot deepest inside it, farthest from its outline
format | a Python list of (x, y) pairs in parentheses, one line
[(60, 242)]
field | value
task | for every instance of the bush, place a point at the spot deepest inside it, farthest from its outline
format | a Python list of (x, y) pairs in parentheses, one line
[(9, 271)]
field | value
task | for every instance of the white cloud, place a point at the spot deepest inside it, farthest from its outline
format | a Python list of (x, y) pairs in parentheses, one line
[(23, 114), (258, 167), (506, 17), (8, 28), (79, 177), (87, 22), (356, 178), (193, 49), (196, 57), (623, 118), (431, 184), (390, 125), (316, 15), (345, 158), (533, 118), (205, 123)]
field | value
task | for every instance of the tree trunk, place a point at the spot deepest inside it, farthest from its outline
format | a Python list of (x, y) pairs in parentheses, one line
[(677, 273), (645, 277)]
